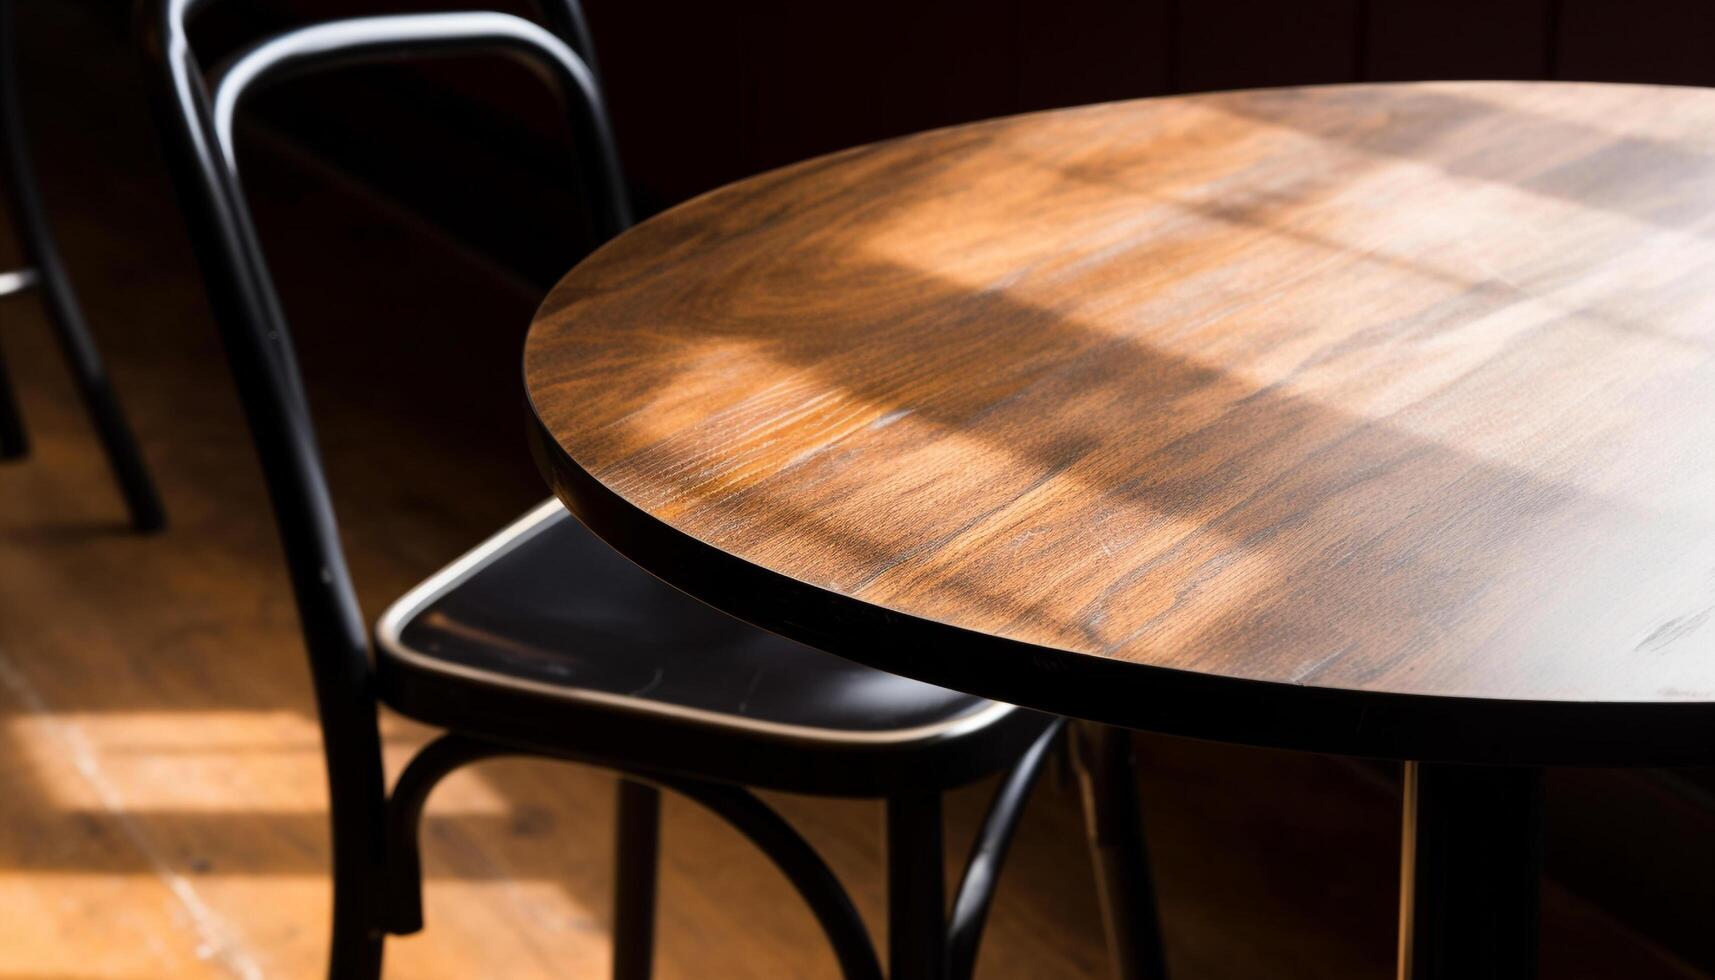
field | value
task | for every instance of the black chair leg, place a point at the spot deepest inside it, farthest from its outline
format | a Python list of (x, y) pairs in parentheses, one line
[(1114, 821), (916, 889), (355, 953), (975, 893), (13, 442), (803, 867), (123, 456), (402, 825), (637, 847), (17, 180)]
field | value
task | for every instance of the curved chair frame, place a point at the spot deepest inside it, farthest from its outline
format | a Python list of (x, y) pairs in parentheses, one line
[(377, 880), (46, 271)]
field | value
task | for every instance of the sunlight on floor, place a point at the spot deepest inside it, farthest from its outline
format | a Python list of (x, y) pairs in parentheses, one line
[(189, 761)]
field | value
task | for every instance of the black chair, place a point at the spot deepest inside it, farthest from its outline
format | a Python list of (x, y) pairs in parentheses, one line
[(45, 271), (543, 641)]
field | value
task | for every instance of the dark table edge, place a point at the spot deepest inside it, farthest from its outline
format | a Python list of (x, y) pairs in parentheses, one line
[(1424, 728)]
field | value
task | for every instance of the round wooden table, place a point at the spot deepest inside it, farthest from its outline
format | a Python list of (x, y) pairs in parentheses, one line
[(1375, 420)]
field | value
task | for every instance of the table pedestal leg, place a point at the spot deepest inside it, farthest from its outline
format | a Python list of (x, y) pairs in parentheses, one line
[(1114, 819), (1470, 875)]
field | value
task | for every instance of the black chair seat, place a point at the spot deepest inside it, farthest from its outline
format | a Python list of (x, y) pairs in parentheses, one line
[(544, 621)]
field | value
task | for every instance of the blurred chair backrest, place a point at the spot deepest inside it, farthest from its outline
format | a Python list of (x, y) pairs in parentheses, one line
[(195, 115)]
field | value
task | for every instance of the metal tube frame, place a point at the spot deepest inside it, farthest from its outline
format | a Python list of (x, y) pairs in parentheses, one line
[(772, 835), (47, 272), (975, 893), (809, 874), (923, 942)]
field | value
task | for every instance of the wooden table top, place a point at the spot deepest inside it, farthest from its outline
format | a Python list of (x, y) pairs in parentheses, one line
[(1363, 418)]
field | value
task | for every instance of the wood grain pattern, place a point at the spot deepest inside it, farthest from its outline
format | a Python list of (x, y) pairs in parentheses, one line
[(1402, 389)]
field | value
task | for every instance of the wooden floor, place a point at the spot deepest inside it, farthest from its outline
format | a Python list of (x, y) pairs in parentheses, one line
[(162, 810)]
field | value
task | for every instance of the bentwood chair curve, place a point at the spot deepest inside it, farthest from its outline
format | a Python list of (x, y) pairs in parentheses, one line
[(543, 641)]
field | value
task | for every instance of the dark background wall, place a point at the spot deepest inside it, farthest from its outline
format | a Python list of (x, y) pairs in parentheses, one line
[(704, 93)]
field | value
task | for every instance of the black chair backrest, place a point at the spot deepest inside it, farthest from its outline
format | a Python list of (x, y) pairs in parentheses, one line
[(195, 114)]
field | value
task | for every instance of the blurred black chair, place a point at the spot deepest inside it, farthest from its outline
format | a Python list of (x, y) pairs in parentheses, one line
[(45, 271), (543, 641)]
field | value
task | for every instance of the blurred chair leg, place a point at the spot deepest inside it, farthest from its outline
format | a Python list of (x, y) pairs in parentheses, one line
[(13, 442), (17, 179), (637, 847), (355, 953), (916, 891), (1115, 825), (798, 861), (971, 900), (123, 455)]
